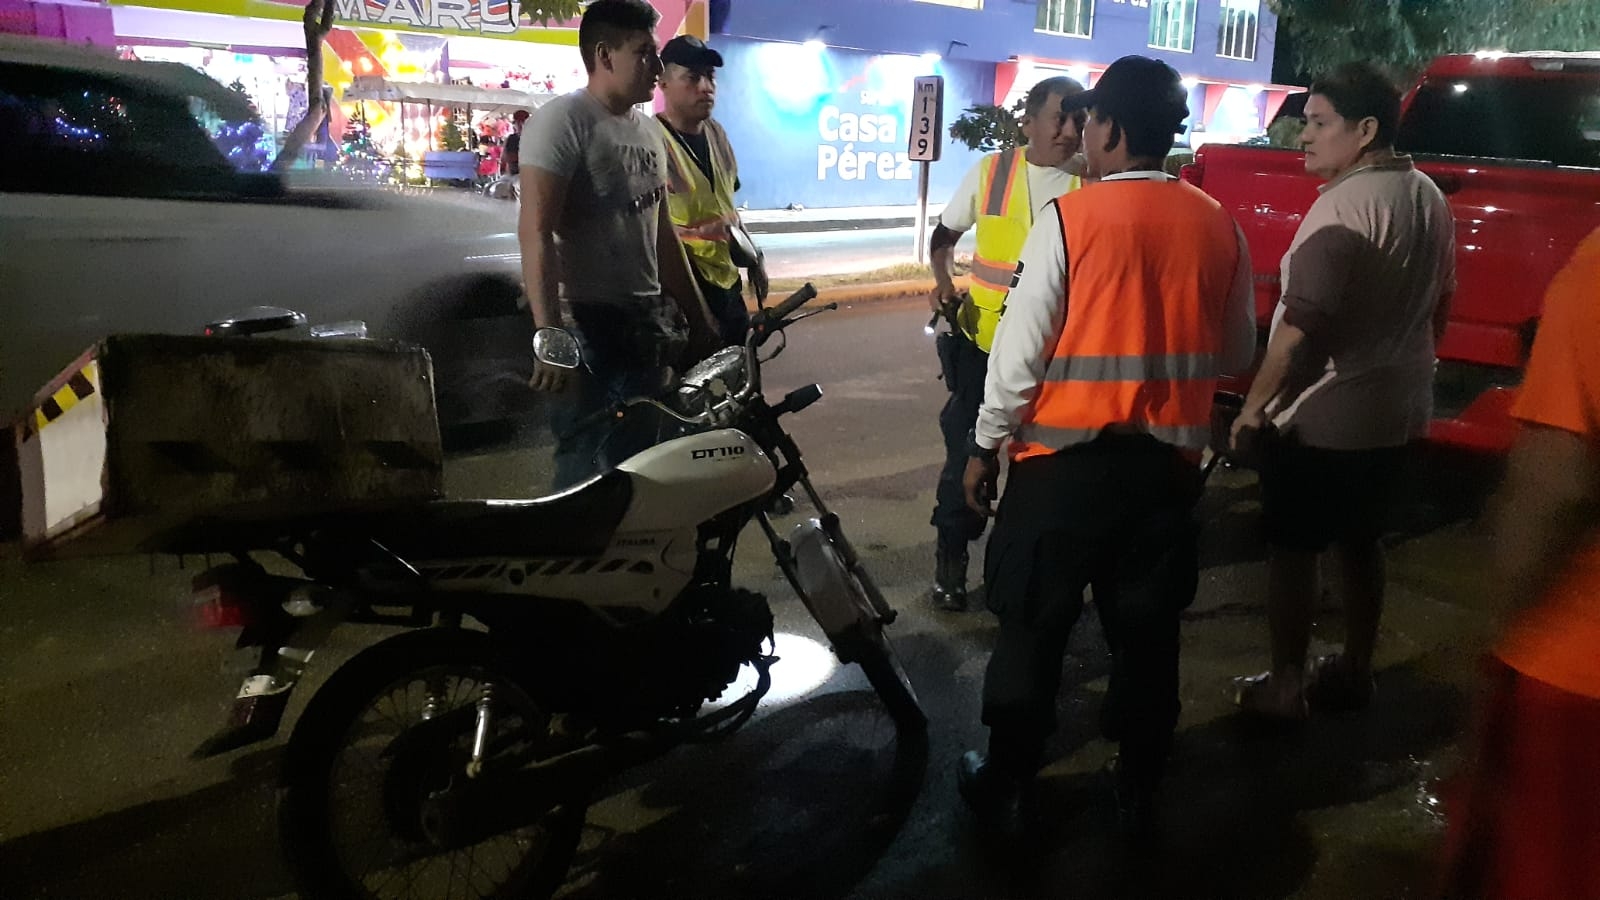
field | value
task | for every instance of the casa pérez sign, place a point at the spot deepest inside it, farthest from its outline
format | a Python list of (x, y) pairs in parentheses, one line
[(859, 145)]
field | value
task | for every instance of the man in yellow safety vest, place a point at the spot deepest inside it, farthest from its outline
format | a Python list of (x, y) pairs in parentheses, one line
[(702, 177), (1000, 195)]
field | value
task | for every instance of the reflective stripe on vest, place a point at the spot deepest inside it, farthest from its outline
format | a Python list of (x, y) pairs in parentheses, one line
[(1150, 266), (1169, 367), (702, 209), (1186, 436), (1003, 225), (1006, 216)]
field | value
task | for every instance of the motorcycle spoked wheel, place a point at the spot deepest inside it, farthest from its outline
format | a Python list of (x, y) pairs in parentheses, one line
[(352, 810)]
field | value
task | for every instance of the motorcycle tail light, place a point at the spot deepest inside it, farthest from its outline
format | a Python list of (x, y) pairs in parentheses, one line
[(217, 608)]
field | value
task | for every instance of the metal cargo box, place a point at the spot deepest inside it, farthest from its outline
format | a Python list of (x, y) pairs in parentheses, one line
[(147, 437)]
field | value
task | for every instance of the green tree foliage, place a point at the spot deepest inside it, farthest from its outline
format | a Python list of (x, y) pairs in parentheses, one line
[(1403, 35), (988, 127), (546, 12), (451, 135)]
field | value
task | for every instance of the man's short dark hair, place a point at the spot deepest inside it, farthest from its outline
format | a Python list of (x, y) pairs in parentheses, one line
[(611, 22), (1041, 92), (1358, 90), (1146, 139)]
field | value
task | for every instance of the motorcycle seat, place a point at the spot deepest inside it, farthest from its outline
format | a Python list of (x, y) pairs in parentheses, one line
[(579, 521)]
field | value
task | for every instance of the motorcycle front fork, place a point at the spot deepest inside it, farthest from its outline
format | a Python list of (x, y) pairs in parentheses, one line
[(831, 526)]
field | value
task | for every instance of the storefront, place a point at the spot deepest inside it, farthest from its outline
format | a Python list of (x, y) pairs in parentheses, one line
[(792, 59), (258, 47), (1219, 111), (823, 126)]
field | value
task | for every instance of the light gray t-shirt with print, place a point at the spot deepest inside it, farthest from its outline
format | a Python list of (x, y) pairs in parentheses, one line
[(606, 239)]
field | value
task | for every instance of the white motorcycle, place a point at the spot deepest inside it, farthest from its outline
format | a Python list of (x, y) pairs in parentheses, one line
[(552, 642)]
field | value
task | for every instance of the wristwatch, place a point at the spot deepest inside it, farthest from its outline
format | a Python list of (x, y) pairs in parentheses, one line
[(975, 451)]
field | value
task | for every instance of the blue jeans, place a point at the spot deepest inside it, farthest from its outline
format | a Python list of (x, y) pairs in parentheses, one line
[(583, 454)]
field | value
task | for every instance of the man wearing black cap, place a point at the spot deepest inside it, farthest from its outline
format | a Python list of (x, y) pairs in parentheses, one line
[(702, 177), (1131, 297)]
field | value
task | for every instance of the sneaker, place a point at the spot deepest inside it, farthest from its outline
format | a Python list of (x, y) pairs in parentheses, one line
[(1268, 697), (1334, 684), (947, 600)]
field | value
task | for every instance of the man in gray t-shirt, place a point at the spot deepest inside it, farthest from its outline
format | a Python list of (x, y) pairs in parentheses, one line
[(596, 236)]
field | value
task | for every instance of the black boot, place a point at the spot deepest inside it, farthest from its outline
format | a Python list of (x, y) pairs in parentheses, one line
[(1002, 803), (949, 593)]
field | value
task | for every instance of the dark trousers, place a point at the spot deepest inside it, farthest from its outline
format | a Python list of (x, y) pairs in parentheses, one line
[(598, 446), (627, 353), (728, 311), (1117, 512), (964, 367)]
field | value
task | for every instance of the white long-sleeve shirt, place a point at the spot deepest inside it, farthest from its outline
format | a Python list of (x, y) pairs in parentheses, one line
[(1036, 311)]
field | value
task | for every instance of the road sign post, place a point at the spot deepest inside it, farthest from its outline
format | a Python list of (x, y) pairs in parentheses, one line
[(927, 131)]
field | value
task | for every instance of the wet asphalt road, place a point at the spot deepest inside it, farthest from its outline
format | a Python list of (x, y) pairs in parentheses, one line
[(105, 688)]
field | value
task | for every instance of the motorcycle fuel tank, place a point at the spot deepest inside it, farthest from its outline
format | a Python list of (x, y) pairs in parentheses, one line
[(686, 481)]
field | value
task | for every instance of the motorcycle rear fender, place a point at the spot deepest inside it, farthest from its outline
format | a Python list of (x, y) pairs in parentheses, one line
[(258, 707), (827, 588)]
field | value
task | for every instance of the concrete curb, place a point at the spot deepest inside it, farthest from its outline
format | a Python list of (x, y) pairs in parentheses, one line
[(799, 227), (870, 293)]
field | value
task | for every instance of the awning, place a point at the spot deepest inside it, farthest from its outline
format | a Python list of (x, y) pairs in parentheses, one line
[(372, 87)]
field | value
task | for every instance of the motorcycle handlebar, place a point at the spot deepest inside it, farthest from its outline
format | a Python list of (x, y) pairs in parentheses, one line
[(767, 322), (794, 301), (618, 408)]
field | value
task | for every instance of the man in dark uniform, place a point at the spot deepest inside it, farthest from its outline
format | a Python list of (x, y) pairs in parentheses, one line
[(1131, 297)]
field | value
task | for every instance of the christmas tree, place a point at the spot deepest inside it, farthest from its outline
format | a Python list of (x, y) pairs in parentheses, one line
[(451, 135)]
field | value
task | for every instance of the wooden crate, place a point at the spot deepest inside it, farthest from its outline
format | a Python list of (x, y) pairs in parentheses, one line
[(159, 443)]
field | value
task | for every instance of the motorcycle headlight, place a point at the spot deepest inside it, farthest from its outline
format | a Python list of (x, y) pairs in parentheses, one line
[(711, 380)]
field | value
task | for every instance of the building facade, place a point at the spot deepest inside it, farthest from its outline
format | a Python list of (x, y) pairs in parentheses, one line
[(817, 93)]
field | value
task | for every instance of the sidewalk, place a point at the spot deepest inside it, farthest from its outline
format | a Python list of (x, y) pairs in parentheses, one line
[(839, 218)]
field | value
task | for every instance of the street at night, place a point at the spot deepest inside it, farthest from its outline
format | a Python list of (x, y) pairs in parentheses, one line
[(106, 685)]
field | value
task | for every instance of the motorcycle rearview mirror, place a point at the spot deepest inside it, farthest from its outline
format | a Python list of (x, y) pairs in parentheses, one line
[(556, 347)]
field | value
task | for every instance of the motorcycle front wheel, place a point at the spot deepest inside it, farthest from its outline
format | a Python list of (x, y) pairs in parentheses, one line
[(363, 781)]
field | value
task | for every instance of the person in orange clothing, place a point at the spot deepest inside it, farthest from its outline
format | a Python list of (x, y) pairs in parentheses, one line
[(1529, 823), (1131, 296)]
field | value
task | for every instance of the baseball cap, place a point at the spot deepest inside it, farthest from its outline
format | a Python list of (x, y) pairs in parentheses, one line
[(1137, 89), (690, 52)]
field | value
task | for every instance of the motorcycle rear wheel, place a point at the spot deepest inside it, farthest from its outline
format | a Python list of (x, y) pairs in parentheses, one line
[(353, 804)]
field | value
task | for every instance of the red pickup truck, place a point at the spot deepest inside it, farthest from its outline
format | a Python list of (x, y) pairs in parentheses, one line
[(1513, 140)]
